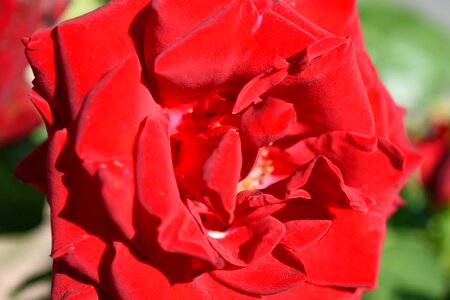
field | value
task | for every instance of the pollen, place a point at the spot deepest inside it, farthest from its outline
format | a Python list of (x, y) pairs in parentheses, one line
[(260, 173)]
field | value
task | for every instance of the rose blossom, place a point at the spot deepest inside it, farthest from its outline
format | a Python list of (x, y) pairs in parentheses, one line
[(435, 167), (215, 150), (18, 19)]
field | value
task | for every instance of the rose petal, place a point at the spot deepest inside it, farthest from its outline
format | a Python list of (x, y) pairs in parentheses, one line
[(167, 219), (324, 183), (301, 234), (369, 164), (340, 18), (89, 36), (327, 90), (66, 287), (247, 45), (206, 287), (308, 291), (357, 256), (98, 118), (132, 277), (251, 92), (248, 244), (221, 173), (267, 122), (271, 275)]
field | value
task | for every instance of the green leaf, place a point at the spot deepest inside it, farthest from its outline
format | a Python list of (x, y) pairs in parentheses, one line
[(410, 268)]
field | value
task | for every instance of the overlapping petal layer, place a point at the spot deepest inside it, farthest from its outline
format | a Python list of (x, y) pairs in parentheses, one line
[(233, 149)]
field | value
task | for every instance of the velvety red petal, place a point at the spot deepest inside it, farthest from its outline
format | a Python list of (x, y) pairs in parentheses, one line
[(162, 30), (349, 254), (308, 291), (288, 11), (134, 278), (89, 36), (247, 244), (43, 107), (117, 191), (251, 92), (206, 287), (338, 17), (271, 275), (327, 90), (99, 118), (372, 165), (40, 51), (267, 122), (209, 55), (324, 183), (160, 210), (67, 288), (300, 234), (221, 173), (247, 46)]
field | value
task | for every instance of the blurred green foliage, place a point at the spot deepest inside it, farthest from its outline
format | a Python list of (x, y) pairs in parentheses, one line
[(20, 204), (410, 52), (412, 55)]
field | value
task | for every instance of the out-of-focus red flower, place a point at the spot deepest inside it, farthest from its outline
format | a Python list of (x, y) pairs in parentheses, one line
[(19, 18), (215, 150), (435, 168)]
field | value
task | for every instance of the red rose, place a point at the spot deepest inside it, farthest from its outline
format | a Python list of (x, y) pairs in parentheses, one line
[(215, 150), (435, 167), (19, 19)]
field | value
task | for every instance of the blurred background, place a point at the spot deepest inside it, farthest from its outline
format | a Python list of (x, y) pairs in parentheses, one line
[(409, 41)]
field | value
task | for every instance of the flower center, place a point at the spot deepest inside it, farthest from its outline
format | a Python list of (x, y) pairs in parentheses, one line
[(257, 178)]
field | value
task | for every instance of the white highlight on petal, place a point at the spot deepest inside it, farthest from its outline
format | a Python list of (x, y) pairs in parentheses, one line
[(257, 24), (217, 234)]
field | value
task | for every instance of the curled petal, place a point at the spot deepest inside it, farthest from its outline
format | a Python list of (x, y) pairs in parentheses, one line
[(221, 173), (248, 244), (268, 121), (271, 275), (323, 181), (301, 234), (160, 213)]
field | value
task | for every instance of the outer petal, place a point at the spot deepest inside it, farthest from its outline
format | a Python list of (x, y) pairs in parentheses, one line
[(66, 287), (205, 287), (247, 46), (132, 277), (338, 17), (324, 184), (99, 134), (308, 291), (352, 261), (272, 275), (369, 164), (248, 244), (301, 234), (327, 90), (74, 71)]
